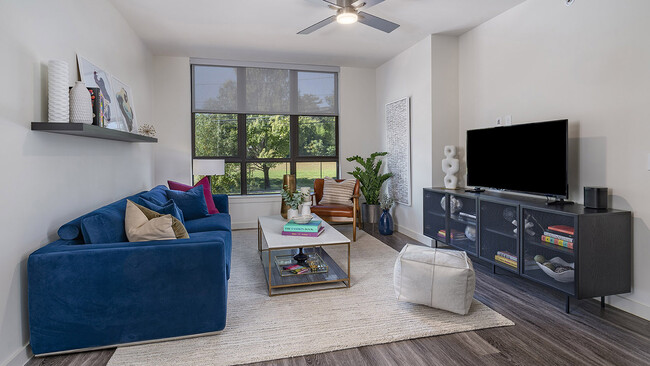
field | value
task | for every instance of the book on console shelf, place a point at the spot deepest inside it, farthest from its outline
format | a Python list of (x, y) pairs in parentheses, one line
[(311, 227), (561, 229), (455, 234), (558, 236), (304, 233), (558, 242), (467, 215), (507, 258)]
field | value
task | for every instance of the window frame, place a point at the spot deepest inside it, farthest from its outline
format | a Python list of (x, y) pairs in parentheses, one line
[(241, 157)]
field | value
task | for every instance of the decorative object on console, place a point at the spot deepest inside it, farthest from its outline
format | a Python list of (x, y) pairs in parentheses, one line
[(124, 102), (450, 166), (595, 197), (207, 192), (147, 130), (288, 180), (293, 199), (58, 100), (371, 181), (455, 205), (439, 278), (398, 145), (81, 104), (470, 232), (386, 220)]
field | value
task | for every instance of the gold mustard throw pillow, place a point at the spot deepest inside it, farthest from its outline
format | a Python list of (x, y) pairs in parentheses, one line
[(139, 228), (337, 193), (177, 225)]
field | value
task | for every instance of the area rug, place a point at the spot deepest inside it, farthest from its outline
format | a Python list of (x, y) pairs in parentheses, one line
[(261, 328)]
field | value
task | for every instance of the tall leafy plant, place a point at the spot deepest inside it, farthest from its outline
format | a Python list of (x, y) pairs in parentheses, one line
[(369, 178)]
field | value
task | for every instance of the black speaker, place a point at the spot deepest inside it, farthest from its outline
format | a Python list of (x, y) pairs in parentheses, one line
[(596, 197)]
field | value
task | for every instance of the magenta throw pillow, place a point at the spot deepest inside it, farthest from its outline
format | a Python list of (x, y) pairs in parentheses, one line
[(212, 209)]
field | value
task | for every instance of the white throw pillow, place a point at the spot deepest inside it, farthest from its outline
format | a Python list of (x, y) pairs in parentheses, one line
[(139, 228), (337, 193)]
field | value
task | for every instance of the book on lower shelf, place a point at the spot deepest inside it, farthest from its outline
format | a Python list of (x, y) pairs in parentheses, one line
[(304, 233), (561, 229), (454, 235), (313, 226), (507, 258)]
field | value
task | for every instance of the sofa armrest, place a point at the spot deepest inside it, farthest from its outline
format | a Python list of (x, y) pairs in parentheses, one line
[(83, 296), (221, 202)]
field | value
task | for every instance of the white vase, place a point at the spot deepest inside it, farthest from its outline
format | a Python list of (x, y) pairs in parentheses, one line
[(306, 209), (58, 104), (450, 167), (81, 105), (291, 213)]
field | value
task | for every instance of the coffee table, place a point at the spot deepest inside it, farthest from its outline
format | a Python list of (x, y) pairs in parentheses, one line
[(272, 244)]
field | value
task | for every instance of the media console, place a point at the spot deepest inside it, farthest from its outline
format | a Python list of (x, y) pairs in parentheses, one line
[(579, 251)]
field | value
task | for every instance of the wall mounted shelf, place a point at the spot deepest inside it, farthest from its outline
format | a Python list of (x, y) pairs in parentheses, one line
[(84, 130)]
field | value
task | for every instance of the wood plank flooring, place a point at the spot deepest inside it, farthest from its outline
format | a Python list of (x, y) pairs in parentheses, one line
[(543, 333)]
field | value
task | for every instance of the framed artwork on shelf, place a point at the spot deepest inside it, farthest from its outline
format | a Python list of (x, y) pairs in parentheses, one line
[(124, 104), (398, 142), (95, 77)]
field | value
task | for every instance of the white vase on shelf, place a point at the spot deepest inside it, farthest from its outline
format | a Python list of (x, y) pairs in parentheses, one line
[(81, 105), (58, 103)]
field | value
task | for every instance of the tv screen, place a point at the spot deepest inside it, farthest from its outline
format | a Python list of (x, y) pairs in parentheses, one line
[(530, 158)]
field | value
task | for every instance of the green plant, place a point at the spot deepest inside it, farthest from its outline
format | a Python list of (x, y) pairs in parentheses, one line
[(386, 201), (369, 178), (292, 199)]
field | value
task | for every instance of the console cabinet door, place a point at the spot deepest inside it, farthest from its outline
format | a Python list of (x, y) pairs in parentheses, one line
[(499, 233), (462, 232), (549, 247), (435, 223)]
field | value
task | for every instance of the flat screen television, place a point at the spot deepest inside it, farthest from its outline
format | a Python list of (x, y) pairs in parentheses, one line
[(529, 158)]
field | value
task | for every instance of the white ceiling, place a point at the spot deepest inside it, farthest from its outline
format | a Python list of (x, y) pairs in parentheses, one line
[(265, 30)]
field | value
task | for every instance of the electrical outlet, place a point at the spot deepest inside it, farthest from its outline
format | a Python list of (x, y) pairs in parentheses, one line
[(508, 120), (499, 121)]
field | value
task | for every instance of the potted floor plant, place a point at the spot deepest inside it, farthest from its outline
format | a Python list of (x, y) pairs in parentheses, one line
[(371, 181)]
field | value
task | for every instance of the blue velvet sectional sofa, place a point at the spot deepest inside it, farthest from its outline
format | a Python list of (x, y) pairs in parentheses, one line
[(85, 296)]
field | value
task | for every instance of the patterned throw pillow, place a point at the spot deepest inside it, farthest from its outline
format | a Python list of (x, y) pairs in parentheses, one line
[(337, 193)]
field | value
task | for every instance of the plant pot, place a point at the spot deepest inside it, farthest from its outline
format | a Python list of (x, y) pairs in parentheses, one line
[(386, 223), (291, 213), (290, 181), (369, 213)]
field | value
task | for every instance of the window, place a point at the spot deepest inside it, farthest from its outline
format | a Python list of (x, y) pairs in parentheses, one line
[(265, 123)]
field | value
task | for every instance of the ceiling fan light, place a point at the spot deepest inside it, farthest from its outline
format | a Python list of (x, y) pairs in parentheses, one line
[(347, 18)]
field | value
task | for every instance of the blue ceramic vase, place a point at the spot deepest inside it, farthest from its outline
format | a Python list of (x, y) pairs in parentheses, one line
[(386, 223)]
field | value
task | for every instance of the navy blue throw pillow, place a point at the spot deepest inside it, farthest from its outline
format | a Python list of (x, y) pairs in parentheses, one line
[(167, 208), (192, 202)]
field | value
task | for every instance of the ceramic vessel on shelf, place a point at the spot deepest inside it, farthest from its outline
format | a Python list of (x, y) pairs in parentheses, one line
[(81, 106), (58, 102)]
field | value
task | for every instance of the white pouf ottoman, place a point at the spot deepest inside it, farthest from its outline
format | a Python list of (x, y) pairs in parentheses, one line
[(440, 278)]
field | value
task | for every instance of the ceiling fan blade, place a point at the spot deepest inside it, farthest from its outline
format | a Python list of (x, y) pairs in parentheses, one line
[(377, 22), (318, 25), (366, 3)]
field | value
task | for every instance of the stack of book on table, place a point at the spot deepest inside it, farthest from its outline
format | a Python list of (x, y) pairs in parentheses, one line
[(312, 228), (560, 235), (506, 258)]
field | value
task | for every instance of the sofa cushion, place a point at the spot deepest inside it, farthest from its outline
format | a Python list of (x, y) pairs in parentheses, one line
[(209, 223), (156, 194), (177, 225), (106, 224), (207, 192), (167, 208), (192, 202), (140, 228)]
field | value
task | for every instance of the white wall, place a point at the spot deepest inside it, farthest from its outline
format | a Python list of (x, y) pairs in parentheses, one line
[(589, 63), (173, 155), (50, 179), (428, 74)]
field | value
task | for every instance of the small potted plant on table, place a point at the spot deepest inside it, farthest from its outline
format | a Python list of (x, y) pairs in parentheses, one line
[(293, 199)]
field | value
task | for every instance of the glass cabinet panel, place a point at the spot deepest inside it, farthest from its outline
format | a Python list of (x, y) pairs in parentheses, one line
[(434, 216), (462, 223), (499, 233), (548, 247)]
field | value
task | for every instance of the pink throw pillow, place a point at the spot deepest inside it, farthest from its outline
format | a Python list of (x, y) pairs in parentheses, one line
[(212, 209)]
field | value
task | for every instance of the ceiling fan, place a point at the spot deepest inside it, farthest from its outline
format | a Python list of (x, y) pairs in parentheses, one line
[(347, 12)]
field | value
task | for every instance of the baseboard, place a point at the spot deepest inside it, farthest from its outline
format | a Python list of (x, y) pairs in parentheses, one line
[(629, 306), (20, 357), (414, 234), (244, 225)]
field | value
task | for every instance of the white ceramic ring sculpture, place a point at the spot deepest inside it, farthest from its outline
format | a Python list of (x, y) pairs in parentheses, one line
[(450, 166)]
